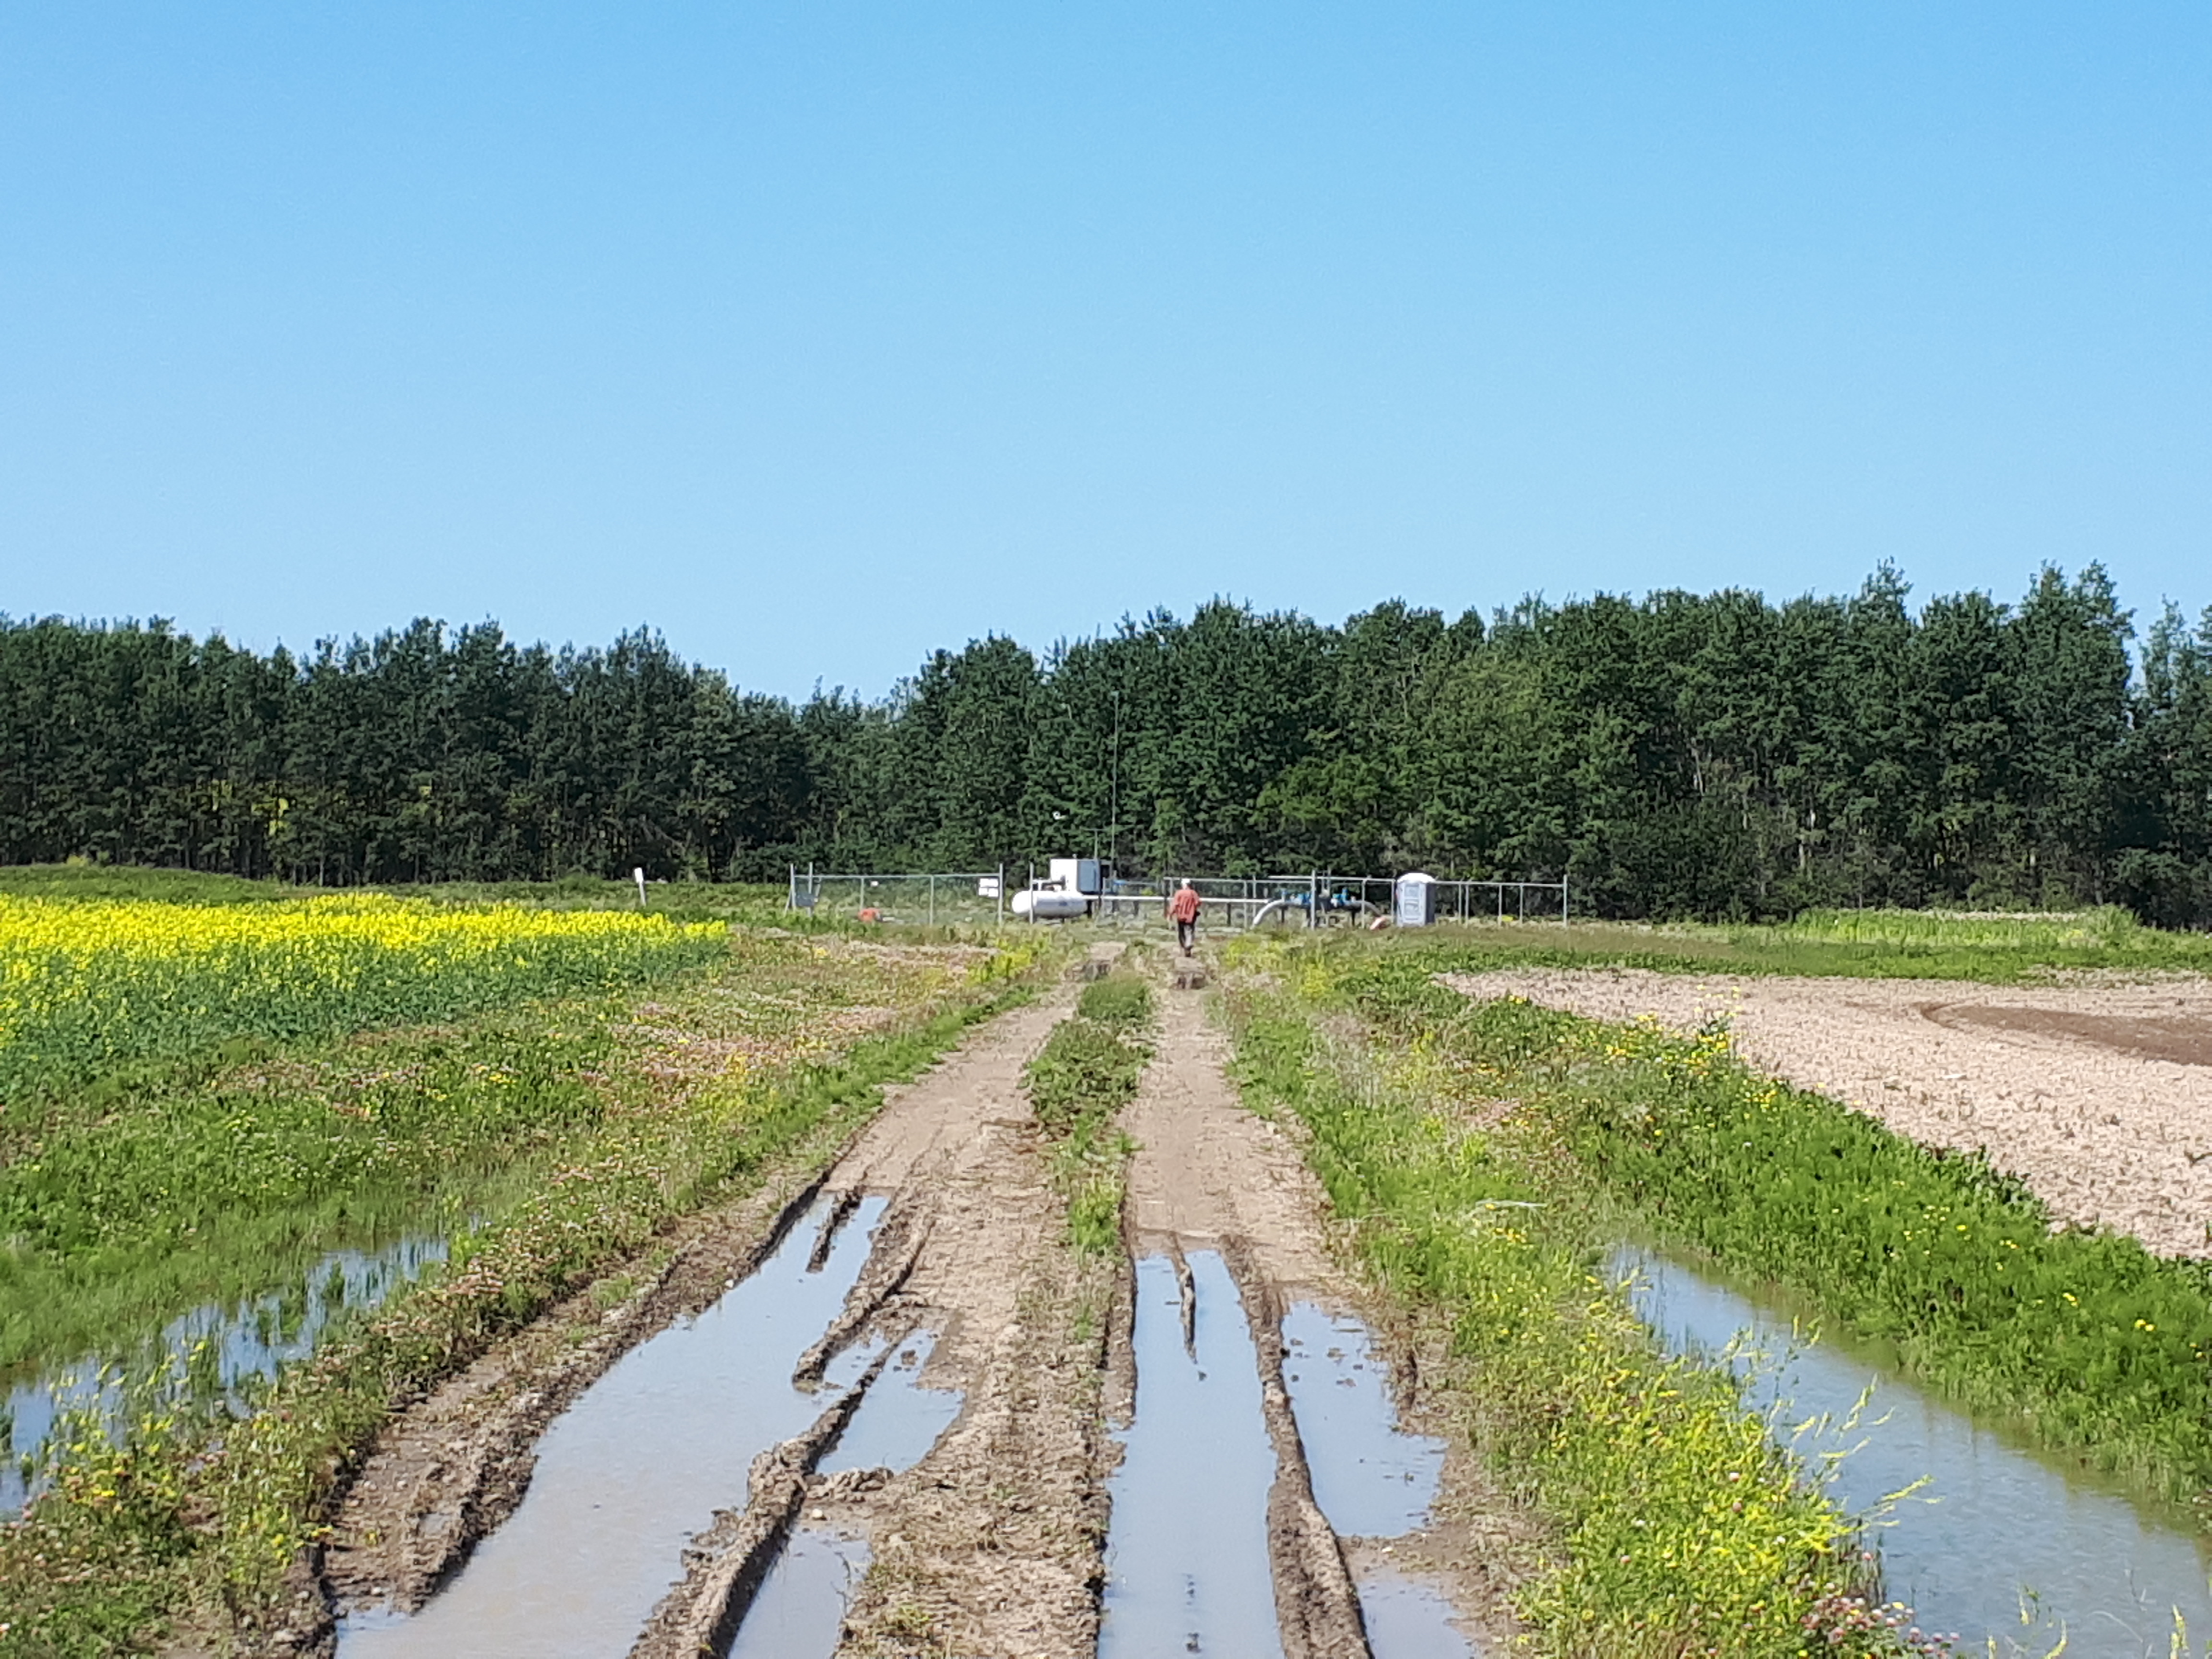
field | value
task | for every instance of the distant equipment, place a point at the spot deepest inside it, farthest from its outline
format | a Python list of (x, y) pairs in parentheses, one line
[(987, 887), (1416, 899), (1066, 891), (1043, 905)]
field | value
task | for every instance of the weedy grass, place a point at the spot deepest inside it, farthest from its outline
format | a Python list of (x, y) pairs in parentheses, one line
[(1680, 1527), (170, 1184), (2096, 1346), (1992, 948), (1087, 1073), (773, 1058)]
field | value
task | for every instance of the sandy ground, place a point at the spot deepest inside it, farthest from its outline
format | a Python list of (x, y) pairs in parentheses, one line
[(2097, 1098)]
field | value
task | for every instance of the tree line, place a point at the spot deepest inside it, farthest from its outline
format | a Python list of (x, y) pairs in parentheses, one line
[(1683, 754)]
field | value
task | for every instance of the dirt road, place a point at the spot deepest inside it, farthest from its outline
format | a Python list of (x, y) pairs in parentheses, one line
[(961, 1296), (2099, 1098)]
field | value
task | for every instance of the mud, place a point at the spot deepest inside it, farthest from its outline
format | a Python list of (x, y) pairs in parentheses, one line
[(1191, 1564), (1210, 1176), (2097, 1097), (455, 1467), (726, 1565), (990, 1545), (945, 1492), (641, 1463)]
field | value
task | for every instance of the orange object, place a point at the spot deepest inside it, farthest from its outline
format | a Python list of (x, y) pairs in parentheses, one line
[(871, 915), (1184, 907)]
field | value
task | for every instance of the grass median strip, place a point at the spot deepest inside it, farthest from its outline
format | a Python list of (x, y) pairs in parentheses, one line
[(1087, 1073), (1679, 1527), (1994, 949)]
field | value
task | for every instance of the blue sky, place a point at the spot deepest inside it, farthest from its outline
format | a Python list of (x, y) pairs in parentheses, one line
[(820, 336)]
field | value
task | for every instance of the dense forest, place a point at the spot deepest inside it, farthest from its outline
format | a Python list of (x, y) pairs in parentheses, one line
[(1681, 755)]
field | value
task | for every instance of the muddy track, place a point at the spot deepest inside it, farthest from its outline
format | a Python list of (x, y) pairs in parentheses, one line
[(451, 1468), (1210, 1175), (992, 1539)]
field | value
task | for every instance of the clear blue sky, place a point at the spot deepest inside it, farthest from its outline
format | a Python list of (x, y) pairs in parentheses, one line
[(819, 336)]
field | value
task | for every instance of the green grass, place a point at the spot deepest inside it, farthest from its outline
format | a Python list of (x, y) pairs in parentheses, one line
[(168, 1184), (2093, 1343), (1860, 943), (1677, 1527), (170, 1519), (1087, 1073)]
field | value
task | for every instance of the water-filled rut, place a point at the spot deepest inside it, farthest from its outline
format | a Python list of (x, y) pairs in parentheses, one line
[(641, 1464)]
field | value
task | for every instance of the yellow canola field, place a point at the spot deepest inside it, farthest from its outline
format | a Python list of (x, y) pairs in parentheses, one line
[(87, 984)]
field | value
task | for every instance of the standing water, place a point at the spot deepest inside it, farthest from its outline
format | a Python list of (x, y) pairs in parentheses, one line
[(1187, 1566), (214, 1354), (2002, 1547), (1371, 1479), (634, 1470)]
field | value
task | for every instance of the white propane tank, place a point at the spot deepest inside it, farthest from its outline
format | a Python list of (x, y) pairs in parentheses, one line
[(1043, 904)]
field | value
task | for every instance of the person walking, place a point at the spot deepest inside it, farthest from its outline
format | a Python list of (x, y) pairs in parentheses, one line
[(1183, 908)]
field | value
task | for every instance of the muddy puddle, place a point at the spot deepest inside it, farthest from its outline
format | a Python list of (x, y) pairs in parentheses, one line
[(640, 1464), (2004, 1547), (1187, 1563), (798, 1611), (216, 1353), (1371, 1478)]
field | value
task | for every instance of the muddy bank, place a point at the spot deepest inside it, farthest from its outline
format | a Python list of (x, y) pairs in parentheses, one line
[(2098, 1098)]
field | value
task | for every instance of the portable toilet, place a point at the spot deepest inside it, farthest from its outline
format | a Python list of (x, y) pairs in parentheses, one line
[(1416, 899)]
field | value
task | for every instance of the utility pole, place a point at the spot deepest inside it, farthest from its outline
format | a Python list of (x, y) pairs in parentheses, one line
[(1114, 791)]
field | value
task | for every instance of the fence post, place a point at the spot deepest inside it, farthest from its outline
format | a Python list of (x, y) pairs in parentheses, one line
[(1002, 895), (932, 899), (791, 897)]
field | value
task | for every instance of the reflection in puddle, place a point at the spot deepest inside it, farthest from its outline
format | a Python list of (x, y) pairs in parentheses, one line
[(637, 1466), (899, 1420), (800, 1610), (1408, 1619), (1187, 1557), (1370, 1478), (2001, 1548), (212, 1353)]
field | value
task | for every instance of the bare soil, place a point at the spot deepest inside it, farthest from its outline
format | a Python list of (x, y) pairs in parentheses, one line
[(2097, 1098)]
